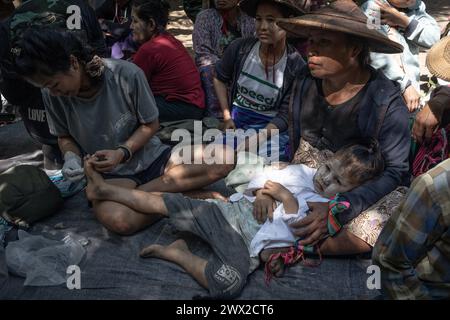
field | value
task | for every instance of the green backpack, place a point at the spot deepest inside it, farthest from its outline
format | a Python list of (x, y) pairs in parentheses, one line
[(34, 13), (41, 13), (27, 195)]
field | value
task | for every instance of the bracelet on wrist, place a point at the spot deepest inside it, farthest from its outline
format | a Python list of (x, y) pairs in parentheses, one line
[(336, 205), (127, 154)]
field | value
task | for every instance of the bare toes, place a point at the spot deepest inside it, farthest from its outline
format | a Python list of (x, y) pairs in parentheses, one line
[(150, 251)]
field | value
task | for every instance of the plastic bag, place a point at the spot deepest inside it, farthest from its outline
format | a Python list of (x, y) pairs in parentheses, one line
[(43, 261), (247, 166), (5, 227), (66, 187)]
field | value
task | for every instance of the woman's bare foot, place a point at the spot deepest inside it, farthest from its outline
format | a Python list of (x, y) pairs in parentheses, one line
[(173, 252), (276, 266), (96, 187)]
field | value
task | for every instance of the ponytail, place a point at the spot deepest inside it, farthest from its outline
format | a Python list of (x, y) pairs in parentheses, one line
[(47, 51)]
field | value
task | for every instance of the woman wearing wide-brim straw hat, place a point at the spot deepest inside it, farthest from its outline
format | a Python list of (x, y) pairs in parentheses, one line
[(436, 112), (341, 16), (295, 7), (336, 99)]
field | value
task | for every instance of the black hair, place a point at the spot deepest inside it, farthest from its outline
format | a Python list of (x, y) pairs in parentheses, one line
[(364, 55), (47, 51), (285, 10), (158, 10), (362, 160)]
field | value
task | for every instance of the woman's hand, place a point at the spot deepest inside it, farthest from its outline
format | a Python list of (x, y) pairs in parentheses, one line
[(425, 124), (392, 17), (229, 124), (72, 169), (412, 98), (313, 227), (107, 160), (263, 207)]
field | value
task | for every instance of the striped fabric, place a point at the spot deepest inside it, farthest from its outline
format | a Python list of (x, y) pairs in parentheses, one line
[(413, 250)]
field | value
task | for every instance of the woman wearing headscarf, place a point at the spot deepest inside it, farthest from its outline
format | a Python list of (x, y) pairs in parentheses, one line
[(214, 30), (254, 78)]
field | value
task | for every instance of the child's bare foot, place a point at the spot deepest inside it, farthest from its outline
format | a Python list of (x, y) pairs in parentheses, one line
[(178, 252), (173, 252), (96, 187), (276, 266)]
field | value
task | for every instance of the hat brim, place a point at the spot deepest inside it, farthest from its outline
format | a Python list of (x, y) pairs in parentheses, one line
[(249, 7), (438, 59), (301, 27)]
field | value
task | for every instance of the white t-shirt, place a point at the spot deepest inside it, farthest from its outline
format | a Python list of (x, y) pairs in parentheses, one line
[(256, 90)]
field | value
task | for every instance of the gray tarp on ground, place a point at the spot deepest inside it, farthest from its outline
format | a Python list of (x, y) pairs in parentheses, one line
[(112, 268)]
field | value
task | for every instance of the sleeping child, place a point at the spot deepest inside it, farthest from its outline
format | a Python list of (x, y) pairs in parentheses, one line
[(235, 237)]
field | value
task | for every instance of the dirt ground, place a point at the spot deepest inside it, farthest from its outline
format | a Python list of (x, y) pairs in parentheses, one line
[(181, 26)]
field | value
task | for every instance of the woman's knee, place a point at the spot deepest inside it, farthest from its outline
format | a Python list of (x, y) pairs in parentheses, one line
[(223, 170), (115, 218), (121, 225), (225, 161)]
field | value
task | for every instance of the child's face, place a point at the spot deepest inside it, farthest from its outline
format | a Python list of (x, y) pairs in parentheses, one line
[(330, 179), (402, 3)]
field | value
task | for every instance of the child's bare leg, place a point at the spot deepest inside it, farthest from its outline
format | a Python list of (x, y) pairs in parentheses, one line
[(276, 266), (179, 253), (141, 201)]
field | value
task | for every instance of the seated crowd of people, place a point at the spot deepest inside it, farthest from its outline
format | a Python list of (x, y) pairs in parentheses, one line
[(331, 87)]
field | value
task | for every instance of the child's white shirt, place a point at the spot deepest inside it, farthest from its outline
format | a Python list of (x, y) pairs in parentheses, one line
[(298, 179)]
